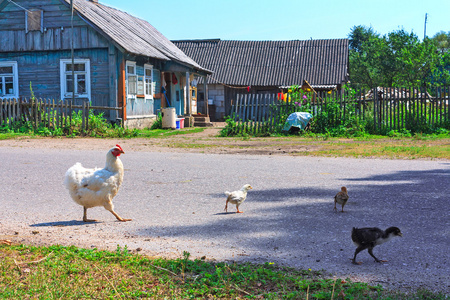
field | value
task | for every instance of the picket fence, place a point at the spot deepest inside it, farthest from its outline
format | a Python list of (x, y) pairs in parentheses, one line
[(389, 108), (48, 113)]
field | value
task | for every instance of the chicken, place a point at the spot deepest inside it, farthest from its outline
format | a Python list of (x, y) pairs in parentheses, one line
[(341, 198), (96, 187), (368, 238), (237, 197)]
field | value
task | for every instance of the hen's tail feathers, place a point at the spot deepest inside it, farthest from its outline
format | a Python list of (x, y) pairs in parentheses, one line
[(70, 180)]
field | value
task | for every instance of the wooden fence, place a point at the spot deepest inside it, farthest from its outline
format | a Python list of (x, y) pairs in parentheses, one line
[(45, 112), (386, 108)]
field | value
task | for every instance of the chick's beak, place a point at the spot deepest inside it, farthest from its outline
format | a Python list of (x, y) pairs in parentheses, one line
[(400, 234)]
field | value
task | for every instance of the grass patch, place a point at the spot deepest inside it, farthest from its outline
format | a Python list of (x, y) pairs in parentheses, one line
[(386, 148), (11, 135), (58, 272)]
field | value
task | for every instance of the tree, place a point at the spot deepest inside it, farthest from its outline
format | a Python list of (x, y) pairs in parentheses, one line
[(365, 57), (396, 59), (443, 41)]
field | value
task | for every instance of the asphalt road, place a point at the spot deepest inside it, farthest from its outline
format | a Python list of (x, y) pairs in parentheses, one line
[(176, 201)]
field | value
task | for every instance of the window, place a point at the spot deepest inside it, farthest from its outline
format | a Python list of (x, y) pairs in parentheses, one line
[(131, 78), (82, 78), (33, 20), (149, 85), (9, 80)]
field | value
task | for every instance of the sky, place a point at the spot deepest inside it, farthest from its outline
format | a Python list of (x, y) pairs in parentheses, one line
[(261, 20)]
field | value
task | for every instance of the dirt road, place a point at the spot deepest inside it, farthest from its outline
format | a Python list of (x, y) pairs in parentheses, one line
[(176, 200)]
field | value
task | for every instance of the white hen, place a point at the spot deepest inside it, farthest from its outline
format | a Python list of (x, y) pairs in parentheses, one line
[(97, 187), (237, 197)]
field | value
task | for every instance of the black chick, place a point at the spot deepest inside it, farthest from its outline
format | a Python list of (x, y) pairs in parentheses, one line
[(368, 238)]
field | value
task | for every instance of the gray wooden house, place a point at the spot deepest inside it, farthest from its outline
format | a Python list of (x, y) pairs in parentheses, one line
[(265, 67), (118, 60)]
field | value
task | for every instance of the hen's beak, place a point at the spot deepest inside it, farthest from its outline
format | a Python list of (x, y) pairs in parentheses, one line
[(400, 234)]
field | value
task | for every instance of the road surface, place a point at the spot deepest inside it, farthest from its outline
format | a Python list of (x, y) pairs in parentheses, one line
[(176, 201)]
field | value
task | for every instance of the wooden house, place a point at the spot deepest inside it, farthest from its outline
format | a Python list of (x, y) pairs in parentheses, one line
[(97, 54), (265, 67)]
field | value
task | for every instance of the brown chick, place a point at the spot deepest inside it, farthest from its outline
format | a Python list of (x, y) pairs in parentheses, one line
[(341, 198)]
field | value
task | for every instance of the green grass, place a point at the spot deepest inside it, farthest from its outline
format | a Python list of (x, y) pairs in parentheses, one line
[(58, 272), (11, 135)]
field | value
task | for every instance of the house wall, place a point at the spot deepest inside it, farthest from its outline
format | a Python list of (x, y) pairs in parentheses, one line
[(56, 31), (216, 93), (38, 53), (41, 70)]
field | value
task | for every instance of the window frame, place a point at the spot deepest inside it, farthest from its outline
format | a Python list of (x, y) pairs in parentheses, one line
[(63, 78), (149, 83), (127, 76), (15, 76)]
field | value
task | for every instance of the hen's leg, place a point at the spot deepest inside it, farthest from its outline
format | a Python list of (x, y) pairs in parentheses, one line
[(85, 219), (237, 208), (335, 209), (226, 206), (110, 207), (376, 259)]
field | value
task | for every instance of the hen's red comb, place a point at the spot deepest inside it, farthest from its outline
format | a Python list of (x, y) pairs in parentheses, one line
[(118, 146)]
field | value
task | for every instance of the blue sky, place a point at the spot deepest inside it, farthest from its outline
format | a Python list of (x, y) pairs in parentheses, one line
[(285, 19)]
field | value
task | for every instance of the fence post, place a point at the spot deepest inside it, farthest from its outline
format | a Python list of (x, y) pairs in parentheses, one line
[(83, 123)]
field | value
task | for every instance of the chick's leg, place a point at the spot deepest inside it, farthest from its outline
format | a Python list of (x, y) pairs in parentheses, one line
[(359, 249), (85, 219), (110, 207), (376, 259), (335, 209)]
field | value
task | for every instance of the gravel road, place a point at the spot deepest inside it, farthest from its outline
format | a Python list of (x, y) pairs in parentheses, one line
[(176, 201)]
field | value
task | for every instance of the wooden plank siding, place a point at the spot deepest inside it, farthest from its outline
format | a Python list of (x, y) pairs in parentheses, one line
[(51, 39), (41, 69), (56, 14)]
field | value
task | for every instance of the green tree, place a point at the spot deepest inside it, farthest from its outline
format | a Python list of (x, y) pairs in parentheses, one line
[(415, 62), (396, 59), (442, 40), (366, 53)]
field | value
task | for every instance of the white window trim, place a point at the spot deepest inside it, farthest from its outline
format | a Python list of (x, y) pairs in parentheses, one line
[(133, 64), (62, 64), (12, 64), (152, 82)]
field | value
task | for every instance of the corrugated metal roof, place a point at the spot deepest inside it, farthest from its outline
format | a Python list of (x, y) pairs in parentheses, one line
[(271, 63), (134, 35)]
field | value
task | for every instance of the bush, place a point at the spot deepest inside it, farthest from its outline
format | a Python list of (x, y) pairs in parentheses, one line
[(158, 122), (98, 126)]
